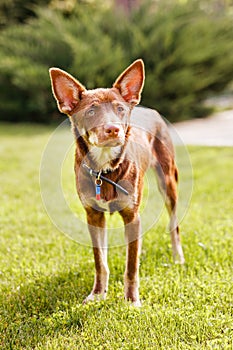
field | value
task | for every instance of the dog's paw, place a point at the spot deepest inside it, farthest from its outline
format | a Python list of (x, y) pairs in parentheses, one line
[(136, 303), (179, 261), (133, 302), (94, 297)]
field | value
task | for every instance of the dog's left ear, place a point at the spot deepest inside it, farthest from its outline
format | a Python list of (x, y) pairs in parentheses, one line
[(66, 90), (130, 82)]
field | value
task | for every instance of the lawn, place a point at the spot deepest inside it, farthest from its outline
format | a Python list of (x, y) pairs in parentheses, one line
[(45, 275)]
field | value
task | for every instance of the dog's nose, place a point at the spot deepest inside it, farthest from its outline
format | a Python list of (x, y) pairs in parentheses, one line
[(111, 130)]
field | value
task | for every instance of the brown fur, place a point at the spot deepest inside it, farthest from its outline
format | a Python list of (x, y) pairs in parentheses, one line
[(122, 141)]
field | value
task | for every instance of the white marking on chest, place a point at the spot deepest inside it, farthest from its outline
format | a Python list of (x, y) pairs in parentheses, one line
[(104, 155), (102, 204)]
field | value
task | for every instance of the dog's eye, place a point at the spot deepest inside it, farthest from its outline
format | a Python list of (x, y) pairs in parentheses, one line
[(120, 109), (91, 112)]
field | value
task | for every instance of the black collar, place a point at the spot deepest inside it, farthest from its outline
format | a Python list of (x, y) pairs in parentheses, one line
[(103, 178)]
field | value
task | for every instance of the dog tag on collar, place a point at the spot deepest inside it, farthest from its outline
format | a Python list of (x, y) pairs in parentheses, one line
[(98, 183)]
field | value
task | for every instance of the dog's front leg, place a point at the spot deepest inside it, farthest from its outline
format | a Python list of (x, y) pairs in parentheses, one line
[(133, 240), (97, 229)]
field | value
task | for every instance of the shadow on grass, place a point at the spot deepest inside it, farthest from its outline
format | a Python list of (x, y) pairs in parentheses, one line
[(41, 308)]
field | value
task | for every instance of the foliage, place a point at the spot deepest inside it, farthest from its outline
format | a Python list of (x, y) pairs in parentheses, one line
[(13, 11), (187, 51), (45, 276), (187, 48)]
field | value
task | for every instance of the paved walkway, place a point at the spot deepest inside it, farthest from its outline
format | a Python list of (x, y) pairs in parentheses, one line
[(216, 130)]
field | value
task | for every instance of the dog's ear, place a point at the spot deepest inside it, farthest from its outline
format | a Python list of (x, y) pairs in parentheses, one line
[(66, 90), (130, 82)]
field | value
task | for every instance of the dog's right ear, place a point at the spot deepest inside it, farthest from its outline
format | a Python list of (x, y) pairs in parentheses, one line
[(130, 82), (66, 90)]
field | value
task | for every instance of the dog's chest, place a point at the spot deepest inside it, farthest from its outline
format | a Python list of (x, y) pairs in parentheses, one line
[(109, 197), (100, 204)]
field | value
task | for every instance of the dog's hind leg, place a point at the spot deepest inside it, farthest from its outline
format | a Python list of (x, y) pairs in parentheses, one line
[(171, 205), (98, 232), (167, 175)]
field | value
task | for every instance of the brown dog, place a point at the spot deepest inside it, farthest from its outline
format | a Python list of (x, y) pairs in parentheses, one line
[(115, 144)]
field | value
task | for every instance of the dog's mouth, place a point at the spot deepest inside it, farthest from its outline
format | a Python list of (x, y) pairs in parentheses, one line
[(109, 143), (106, 140)]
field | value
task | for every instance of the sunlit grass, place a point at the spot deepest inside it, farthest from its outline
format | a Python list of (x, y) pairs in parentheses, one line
[(45, 276)]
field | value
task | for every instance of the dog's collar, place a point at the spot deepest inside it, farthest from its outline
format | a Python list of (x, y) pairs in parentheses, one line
[(98, 176)]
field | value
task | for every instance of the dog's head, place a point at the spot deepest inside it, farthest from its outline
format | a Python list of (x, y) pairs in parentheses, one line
[(101, 115)]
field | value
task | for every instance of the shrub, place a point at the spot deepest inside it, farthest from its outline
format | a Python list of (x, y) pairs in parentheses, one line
[(187, 49), (188, 52)]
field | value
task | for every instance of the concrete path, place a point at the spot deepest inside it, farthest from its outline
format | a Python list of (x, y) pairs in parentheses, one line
[(216, 130)]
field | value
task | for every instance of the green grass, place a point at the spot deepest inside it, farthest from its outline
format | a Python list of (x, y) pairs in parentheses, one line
[(45, 276)]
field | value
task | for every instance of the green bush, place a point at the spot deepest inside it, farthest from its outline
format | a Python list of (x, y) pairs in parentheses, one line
[(187, 49)]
